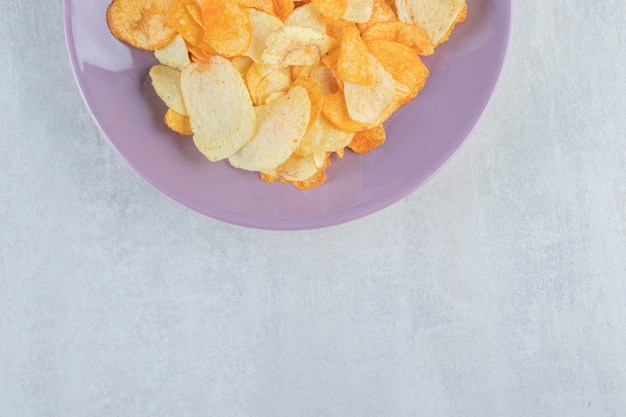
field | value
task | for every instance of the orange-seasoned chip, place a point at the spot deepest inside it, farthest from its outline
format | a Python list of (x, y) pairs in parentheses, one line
[(402, 62), (188, 19), (316, 96), (317, 179), (283, 8), (266, 6), (331, 9), (336, 111), (404, 33), (178, 123), (353, 65), (331, 58), (381, 12), (227, 27), (365, 141), (142, 24)]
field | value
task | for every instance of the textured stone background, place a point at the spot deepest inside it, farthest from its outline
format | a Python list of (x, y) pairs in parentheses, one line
[(496, 289)]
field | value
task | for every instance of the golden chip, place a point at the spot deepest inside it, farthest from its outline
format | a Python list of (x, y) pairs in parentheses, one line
[(353, 64), (404, 33), (178, 123), (331, 9), (227, 27), (365, 141), (402, 63), (283, 8), (316, 97), (143, 24)]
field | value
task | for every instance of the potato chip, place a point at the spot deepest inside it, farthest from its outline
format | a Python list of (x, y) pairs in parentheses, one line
[(324, 77), (332, 58), (307, 16), (187, 16), (263, 25), (198, 54), (460, 18), (404, 33), (295, 168), (317, 179), (275, 82), (227, 27), (365, 141), (323, 137), (283, 8), (166, 83), (370, 104), (316, 97), (281, 125), (381, 12), (402, 63), (358, 11), (266, 6), (219, 107), (142, 24), (294, 45), (436, 18), (178, 123), (353, 65), (174, 54), (242, 64), (336, 111), (331, 9)]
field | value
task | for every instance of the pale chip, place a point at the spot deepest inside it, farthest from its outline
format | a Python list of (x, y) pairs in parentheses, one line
[(166, 83), (174, 54), (295, 45), (281, 125), (219, 107), (433, 16)]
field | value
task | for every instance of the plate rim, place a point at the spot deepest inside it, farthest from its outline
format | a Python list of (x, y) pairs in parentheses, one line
[(341, 216)]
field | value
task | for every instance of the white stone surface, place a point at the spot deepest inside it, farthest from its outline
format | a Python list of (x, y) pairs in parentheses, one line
[(497, 289)]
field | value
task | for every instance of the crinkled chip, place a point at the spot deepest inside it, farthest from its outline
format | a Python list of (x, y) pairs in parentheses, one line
[(143, 24), (381, 12), (219, 107), (365, 141), (295, 45), (178, 123), (166, 83), (281, 125)]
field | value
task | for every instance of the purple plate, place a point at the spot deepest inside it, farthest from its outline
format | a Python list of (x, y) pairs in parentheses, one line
[(421, 137)]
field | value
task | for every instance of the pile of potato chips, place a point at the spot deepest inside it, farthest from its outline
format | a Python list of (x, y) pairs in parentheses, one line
[(277, 86)]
